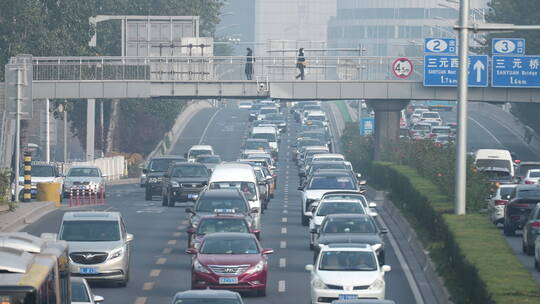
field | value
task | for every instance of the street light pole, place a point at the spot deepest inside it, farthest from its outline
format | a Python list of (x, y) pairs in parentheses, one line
[(461, 147)]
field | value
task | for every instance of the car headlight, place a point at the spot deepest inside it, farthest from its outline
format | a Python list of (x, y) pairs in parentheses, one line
[(199, 267), (175, 184), (116, 254), (377, 284), (257, 268), (317, 283)]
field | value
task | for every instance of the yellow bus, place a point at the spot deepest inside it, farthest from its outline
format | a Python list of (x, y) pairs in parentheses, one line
[(33, 270)]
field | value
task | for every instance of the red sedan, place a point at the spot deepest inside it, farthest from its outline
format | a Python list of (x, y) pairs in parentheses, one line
[(230, 261)]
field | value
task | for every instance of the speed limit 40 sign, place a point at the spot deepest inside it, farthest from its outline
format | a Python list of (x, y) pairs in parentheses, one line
[(402, 68)]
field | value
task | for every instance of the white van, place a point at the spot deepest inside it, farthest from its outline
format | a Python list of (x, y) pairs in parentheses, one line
[(494, 158), (269, 133), (242, 177), (317, 116), (198, 150)]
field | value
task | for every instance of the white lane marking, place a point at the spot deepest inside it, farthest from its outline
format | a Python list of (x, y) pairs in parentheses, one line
[(286, 206), (281, 286), (154, 273), (161, 261), (486, 130), (177, 234), (171, 242), (282, 263), (140, 300), (283, 230), (283, 244), (208, 126), (285, 211), (408, 275), (283, 219), (108, 209), (148, 286), (167, 250)]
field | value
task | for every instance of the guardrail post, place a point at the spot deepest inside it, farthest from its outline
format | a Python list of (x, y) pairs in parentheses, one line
[(27, 191)]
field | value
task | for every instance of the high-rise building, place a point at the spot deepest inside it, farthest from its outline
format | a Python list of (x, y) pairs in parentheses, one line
[(395, 27), (298, 22)]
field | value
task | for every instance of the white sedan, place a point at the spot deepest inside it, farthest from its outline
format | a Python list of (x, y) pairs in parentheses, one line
[(347, 272), (81, 292)]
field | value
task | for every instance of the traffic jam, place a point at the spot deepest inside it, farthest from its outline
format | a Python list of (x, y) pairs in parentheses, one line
[(224, 204)]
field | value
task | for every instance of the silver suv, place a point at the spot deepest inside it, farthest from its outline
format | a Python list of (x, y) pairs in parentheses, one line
[(99, 246)]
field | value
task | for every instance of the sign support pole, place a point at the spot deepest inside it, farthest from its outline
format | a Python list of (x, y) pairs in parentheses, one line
[(461, 147), (18, 101)]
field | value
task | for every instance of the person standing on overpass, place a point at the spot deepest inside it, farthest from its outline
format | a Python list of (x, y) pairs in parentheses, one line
[(249, 64), (301, 63)]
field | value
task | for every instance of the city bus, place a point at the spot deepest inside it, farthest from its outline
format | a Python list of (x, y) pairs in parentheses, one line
[(33, 270)]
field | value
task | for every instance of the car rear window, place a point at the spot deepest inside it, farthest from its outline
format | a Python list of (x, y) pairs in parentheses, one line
[(339, 207), (229, 246), (349, 225), (331, 182), (534, 174), (213, 225), (529, 193), (211, 204)]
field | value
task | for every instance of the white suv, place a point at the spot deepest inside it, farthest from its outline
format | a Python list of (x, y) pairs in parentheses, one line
[(347, 272)]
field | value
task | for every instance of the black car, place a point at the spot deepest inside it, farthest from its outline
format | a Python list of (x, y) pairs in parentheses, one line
[(516, 213), (350, 228), (212, 201), (155, 170), (207, 297), (254, 111), (183, 182), (277, 119)]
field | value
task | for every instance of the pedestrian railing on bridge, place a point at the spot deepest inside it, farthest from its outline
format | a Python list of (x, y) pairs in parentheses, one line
[(215, 68)]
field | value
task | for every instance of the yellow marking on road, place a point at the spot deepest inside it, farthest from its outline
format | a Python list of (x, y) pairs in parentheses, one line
[(148, 286), (161, 261), (177, 234), (154, 273), (140, 300), (171, 242)]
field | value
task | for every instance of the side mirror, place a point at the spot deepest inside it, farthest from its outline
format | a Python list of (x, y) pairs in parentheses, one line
[(185, 155), (358, 175), (268, 251), (191, 251), (300, 188), (362, 191), (386, 268), (372, 205), (189, 210), (98, 299), (254, 210), (190, 230), (104, 175), (129, 237), (145, 171), (362, 182), (384, 230), (309, 267), (373, 214)]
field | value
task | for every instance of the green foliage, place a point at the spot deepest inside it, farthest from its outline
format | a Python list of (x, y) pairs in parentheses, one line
[(468, 250), (4, 186), (344, 111)]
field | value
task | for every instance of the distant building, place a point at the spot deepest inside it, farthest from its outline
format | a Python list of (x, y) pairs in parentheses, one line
[(394, 28)]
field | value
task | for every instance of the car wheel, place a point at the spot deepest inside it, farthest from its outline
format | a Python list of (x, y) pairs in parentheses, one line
[(311, 246), (536, 265), (147, 194), (529, 250), (261, 292), (305, 220), (170, 200), (164, 201), (509, 231)]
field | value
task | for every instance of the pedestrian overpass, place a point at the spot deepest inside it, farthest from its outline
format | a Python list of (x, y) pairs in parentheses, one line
[(327, 78)]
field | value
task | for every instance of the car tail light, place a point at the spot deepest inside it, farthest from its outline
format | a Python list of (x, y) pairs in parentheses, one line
[(536, 224), (528, 182), (520, 205), (501, 202)]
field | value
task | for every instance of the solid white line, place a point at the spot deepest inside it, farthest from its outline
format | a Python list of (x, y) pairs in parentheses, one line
[(208, 126), (283, 230), (281, 286), (283, 244), (408, 274), (282, 263), (486, 130)]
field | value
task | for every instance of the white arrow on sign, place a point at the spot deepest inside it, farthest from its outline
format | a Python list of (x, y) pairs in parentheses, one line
[(479, 67)]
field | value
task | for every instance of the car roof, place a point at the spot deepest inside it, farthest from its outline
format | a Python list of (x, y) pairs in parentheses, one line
[(347, 247), (229, 192), (223, 172), (229, 235), (204, 294), (91, 216), (201, 147)]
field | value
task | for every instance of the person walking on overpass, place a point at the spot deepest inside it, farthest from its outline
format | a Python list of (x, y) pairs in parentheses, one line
[(529, 134), (249, 64), (301, 63)]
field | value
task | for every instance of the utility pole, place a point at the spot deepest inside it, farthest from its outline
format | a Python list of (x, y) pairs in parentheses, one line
[(18, 101), (47, 132), (101, 129)]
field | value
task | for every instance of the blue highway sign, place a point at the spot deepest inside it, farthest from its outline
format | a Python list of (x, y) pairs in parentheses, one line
[(440, 45), (367, 126), (516, 72), (442, 71), (508, 46)]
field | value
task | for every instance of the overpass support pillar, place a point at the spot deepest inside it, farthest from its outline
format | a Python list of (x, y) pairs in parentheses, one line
[(387, 119), (90, 128)]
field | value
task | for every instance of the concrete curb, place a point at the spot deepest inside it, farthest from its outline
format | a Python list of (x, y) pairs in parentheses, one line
[(28, 217), (125, 181)]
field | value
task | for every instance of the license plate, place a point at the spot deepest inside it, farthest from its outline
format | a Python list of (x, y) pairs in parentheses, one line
[(192, 196), (348, 297), (231, 280), (84, 270)]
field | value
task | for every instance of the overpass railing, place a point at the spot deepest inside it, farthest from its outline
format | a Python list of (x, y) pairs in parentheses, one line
[(215, 68)]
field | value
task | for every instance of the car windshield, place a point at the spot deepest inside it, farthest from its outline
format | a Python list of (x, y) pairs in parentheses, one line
[(211, 204), (506, 191), (270, 137), (256, 145), (493, 163), (205, 301), (229, 246), (83, 172), (349, 225), (195, 153), (339, 207), (247, 188), (497, 175), (90, 231), (529, 193), (534, 174), (331, 182), (430, 115), (190, 171), (522, 169), (347, 261), (208, 159), (40, 171), (213, 225), (421, 128), (79, 293), (160, 165)]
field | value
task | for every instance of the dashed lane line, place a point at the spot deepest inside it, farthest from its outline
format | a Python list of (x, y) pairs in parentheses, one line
[(154, 273), (283, 219), (161, 261), (282, 286), (208, 126), (283, 230), (283, 244), (171, 242), (148, 286), (282, 263), (177, 234), (167, 251), (140, 300), (285, 211)]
